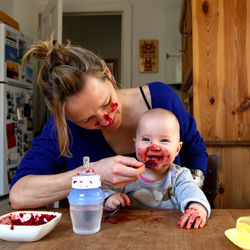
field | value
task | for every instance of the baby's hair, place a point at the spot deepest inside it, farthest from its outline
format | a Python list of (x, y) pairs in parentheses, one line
[(159, 112), (62, 74)]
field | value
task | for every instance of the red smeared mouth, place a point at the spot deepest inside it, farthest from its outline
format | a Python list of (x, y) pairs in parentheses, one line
[(150, 164), (154, 158)]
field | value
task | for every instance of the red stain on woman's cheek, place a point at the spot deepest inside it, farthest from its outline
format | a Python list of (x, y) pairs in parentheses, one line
[(107, 118), (114, 106), (97, 124)]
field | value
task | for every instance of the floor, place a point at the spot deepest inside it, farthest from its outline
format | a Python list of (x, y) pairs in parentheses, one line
[(4, 204)]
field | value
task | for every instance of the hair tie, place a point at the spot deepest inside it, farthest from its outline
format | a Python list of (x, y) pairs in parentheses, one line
[(49, 52), (50, 66)]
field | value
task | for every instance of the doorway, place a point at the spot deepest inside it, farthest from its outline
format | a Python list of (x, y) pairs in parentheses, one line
[(100, 33)]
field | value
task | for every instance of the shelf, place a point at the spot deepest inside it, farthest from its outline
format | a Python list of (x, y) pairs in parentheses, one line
[(227, 143), (188, 80), (183, 16)]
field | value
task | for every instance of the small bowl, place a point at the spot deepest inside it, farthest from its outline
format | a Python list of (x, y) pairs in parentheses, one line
[(240, 235), (31, 232)]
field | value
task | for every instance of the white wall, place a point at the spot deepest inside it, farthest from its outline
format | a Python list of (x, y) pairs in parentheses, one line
[(149, 23), (150, 19), (153, 19), (7, 7)]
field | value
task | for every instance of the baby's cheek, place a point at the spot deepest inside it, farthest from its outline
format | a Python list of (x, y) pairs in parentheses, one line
[(167, 157), (141, 153)]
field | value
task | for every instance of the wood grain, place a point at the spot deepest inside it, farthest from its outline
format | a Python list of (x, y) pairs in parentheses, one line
[(221, 91), (140, 229), (234, 188), (221, 69)]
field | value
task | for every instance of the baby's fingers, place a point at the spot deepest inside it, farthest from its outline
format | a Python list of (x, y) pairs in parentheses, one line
[(197, 222), (120, 200), (190, 222), (183, 220), (203, 222), (126, 199)]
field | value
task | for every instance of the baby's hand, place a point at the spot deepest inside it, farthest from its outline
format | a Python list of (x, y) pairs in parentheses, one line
[(196, 215), (114, 200)]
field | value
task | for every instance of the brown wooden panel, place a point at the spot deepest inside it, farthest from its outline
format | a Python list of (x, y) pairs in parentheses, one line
[(234, 187), (221, 69)]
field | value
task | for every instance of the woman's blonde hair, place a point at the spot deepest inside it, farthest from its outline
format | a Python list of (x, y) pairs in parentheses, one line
[(62, 74)]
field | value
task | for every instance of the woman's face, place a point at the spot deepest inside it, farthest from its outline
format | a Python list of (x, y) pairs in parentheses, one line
[(96, 106)]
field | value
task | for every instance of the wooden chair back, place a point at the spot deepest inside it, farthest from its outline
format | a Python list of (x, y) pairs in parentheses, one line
[(210, 187)]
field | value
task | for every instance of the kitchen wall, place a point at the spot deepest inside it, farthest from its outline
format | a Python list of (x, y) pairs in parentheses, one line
[(150, 20), (7, 7), (105, 42)]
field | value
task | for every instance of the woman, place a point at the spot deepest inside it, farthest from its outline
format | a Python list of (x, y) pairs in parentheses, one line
[(91, 117)]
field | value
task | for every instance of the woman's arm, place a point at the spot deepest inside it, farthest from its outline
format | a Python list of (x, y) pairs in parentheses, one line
[(33, 191)]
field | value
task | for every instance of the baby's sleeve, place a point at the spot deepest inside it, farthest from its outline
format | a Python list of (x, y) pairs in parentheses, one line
[(186, 191)]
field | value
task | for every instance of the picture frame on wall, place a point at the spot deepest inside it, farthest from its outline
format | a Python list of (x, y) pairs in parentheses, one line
[(148, 58), (112, 64)]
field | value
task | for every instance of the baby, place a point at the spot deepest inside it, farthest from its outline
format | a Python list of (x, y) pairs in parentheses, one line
[(164, 185)]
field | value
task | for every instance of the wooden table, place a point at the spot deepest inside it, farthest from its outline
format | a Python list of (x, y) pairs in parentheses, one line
[(140, 229)]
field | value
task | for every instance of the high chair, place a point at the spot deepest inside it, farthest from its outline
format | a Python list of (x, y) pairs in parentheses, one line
[(210, 187)]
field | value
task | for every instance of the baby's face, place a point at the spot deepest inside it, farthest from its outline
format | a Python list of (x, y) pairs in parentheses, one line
[(157, 143)]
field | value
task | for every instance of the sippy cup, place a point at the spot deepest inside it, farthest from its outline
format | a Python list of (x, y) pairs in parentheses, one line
[(86, 201)]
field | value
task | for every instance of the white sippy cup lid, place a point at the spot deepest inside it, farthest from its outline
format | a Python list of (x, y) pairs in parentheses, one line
[(86, 181)]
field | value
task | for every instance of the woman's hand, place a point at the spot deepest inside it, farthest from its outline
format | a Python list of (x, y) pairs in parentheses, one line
[(195, 215), (118, 171), (114, 200)]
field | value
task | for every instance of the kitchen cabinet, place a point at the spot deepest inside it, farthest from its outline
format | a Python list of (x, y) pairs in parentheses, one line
[(216, 88)]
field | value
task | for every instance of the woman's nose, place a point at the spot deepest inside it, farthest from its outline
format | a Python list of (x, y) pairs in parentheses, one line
[(104, 119)]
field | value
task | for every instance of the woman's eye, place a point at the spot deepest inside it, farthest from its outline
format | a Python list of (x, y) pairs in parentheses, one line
[(108, 103), (84, 122)]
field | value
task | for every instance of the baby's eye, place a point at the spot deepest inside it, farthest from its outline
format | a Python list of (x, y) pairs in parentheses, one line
[(164, 140), (145, 139)]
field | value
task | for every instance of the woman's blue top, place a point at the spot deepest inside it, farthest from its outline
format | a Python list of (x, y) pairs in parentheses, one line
[(44, 156)]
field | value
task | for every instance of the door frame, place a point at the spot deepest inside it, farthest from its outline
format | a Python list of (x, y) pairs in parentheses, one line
[(123, 9)]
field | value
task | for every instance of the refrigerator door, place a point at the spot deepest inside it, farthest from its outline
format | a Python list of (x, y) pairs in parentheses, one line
[(16, 130), (12, 46)]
